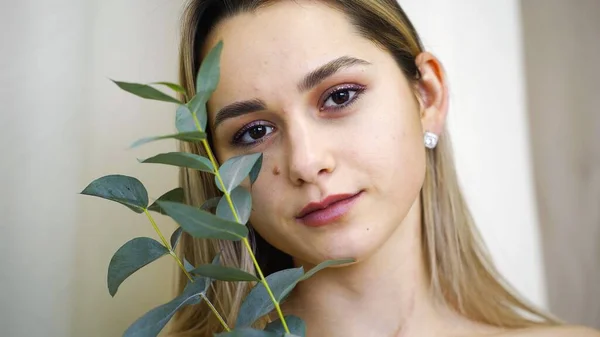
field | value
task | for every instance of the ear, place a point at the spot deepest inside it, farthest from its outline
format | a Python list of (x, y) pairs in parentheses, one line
[(433, 93)]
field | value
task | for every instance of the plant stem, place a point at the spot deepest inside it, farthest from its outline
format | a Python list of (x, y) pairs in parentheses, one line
[(214, 310), (182, 266), (168, 245), (164, 241), (263, 280), (174, 255)]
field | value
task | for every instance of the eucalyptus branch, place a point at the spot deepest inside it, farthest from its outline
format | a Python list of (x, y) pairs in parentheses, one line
[(263, 280), (168, 245), (190, 120), (174, 255)]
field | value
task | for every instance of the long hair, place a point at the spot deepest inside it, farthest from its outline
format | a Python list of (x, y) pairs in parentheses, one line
[(460, 271)]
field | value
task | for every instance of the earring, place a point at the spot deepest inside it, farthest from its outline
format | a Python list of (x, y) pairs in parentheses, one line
[(431, 140)]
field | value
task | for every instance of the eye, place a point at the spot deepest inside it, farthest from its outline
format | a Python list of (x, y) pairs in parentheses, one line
[(252, 134), (341, 97)]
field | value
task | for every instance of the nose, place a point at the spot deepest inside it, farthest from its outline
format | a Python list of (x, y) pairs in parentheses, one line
[(309, 154)]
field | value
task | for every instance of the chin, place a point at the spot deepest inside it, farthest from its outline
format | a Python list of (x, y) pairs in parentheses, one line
[(356, 244)]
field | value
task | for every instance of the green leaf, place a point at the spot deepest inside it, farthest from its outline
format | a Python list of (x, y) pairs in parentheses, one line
[(210, 204), (182, 159), (146, 91), (187, 265), (175, 237), (242, 202), (125, 190), (324, 265), (258, 303), (223, 273), (175, 195), (197, 106), (215, 262), (236, 169), (190, 137), (256, 169), (201, 224), (209, 73), (184, 121), (132, 256), (296, 325), (155, 320), (173, 86), (248, 332)]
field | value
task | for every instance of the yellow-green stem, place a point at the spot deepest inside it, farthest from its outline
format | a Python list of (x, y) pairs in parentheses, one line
[(214, 310), (211, 157), (174, 255), (164, 241), (263, 280), (168, 245), (182, 266)]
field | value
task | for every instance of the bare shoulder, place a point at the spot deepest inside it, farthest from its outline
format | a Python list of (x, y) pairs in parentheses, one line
[(557, 331)]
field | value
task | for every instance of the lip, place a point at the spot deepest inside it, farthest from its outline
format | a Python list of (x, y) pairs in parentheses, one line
[(330, 209)]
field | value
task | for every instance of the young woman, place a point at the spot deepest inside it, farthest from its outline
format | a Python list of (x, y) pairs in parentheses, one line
[(348, 111)]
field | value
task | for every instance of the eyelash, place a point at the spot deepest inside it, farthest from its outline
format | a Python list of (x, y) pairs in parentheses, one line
[(358, 89)]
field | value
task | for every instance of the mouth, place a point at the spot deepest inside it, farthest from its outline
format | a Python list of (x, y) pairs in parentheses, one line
[(332, 208)]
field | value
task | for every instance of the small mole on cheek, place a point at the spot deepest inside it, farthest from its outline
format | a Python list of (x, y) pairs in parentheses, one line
[(276, 171), (368, 229)]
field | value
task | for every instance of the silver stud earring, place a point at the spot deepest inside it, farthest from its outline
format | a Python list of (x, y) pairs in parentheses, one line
[(430, 139)]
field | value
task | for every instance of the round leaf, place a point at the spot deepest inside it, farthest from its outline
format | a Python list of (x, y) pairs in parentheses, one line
[(201, 224), (182, 159), (155, 320), (210, 204), (258, 303), (242, 202), (190, 137), (256, 169), (197, 106), (132, 256), (184, 121), (223, 273), (146, 91), (187, 265), (209, 73), (125, 190), (175, 237), (236, 169), (175, 195), (296, 325)]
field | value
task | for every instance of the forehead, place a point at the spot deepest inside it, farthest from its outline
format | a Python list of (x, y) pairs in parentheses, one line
[(280, 43)]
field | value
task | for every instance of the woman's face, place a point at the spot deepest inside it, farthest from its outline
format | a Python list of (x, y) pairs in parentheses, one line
[(332, 114)]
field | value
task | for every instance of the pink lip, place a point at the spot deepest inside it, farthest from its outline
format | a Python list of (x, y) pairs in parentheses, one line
[(332, 208)]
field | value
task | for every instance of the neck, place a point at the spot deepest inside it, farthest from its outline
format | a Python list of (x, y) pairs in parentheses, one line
[(386, 294)]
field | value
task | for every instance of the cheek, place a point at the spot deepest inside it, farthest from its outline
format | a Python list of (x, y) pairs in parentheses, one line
[(267, 201), (392, 150)]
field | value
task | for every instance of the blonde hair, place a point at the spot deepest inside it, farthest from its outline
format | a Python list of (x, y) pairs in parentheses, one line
[(460, 270)]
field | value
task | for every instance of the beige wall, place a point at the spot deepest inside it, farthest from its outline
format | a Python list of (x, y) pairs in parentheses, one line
[(562, 48), (479, 43), (63, 124)]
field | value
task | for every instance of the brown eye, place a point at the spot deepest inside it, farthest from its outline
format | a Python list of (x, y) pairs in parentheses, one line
[(340, 97), (257, 132), (253, 133)]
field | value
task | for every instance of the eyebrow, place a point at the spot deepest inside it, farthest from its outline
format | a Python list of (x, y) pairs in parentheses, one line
[(309, 81), (238, 109), (318, 75)]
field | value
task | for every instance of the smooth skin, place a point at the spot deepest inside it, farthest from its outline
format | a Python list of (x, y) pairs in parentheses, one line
[(359, 129)]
